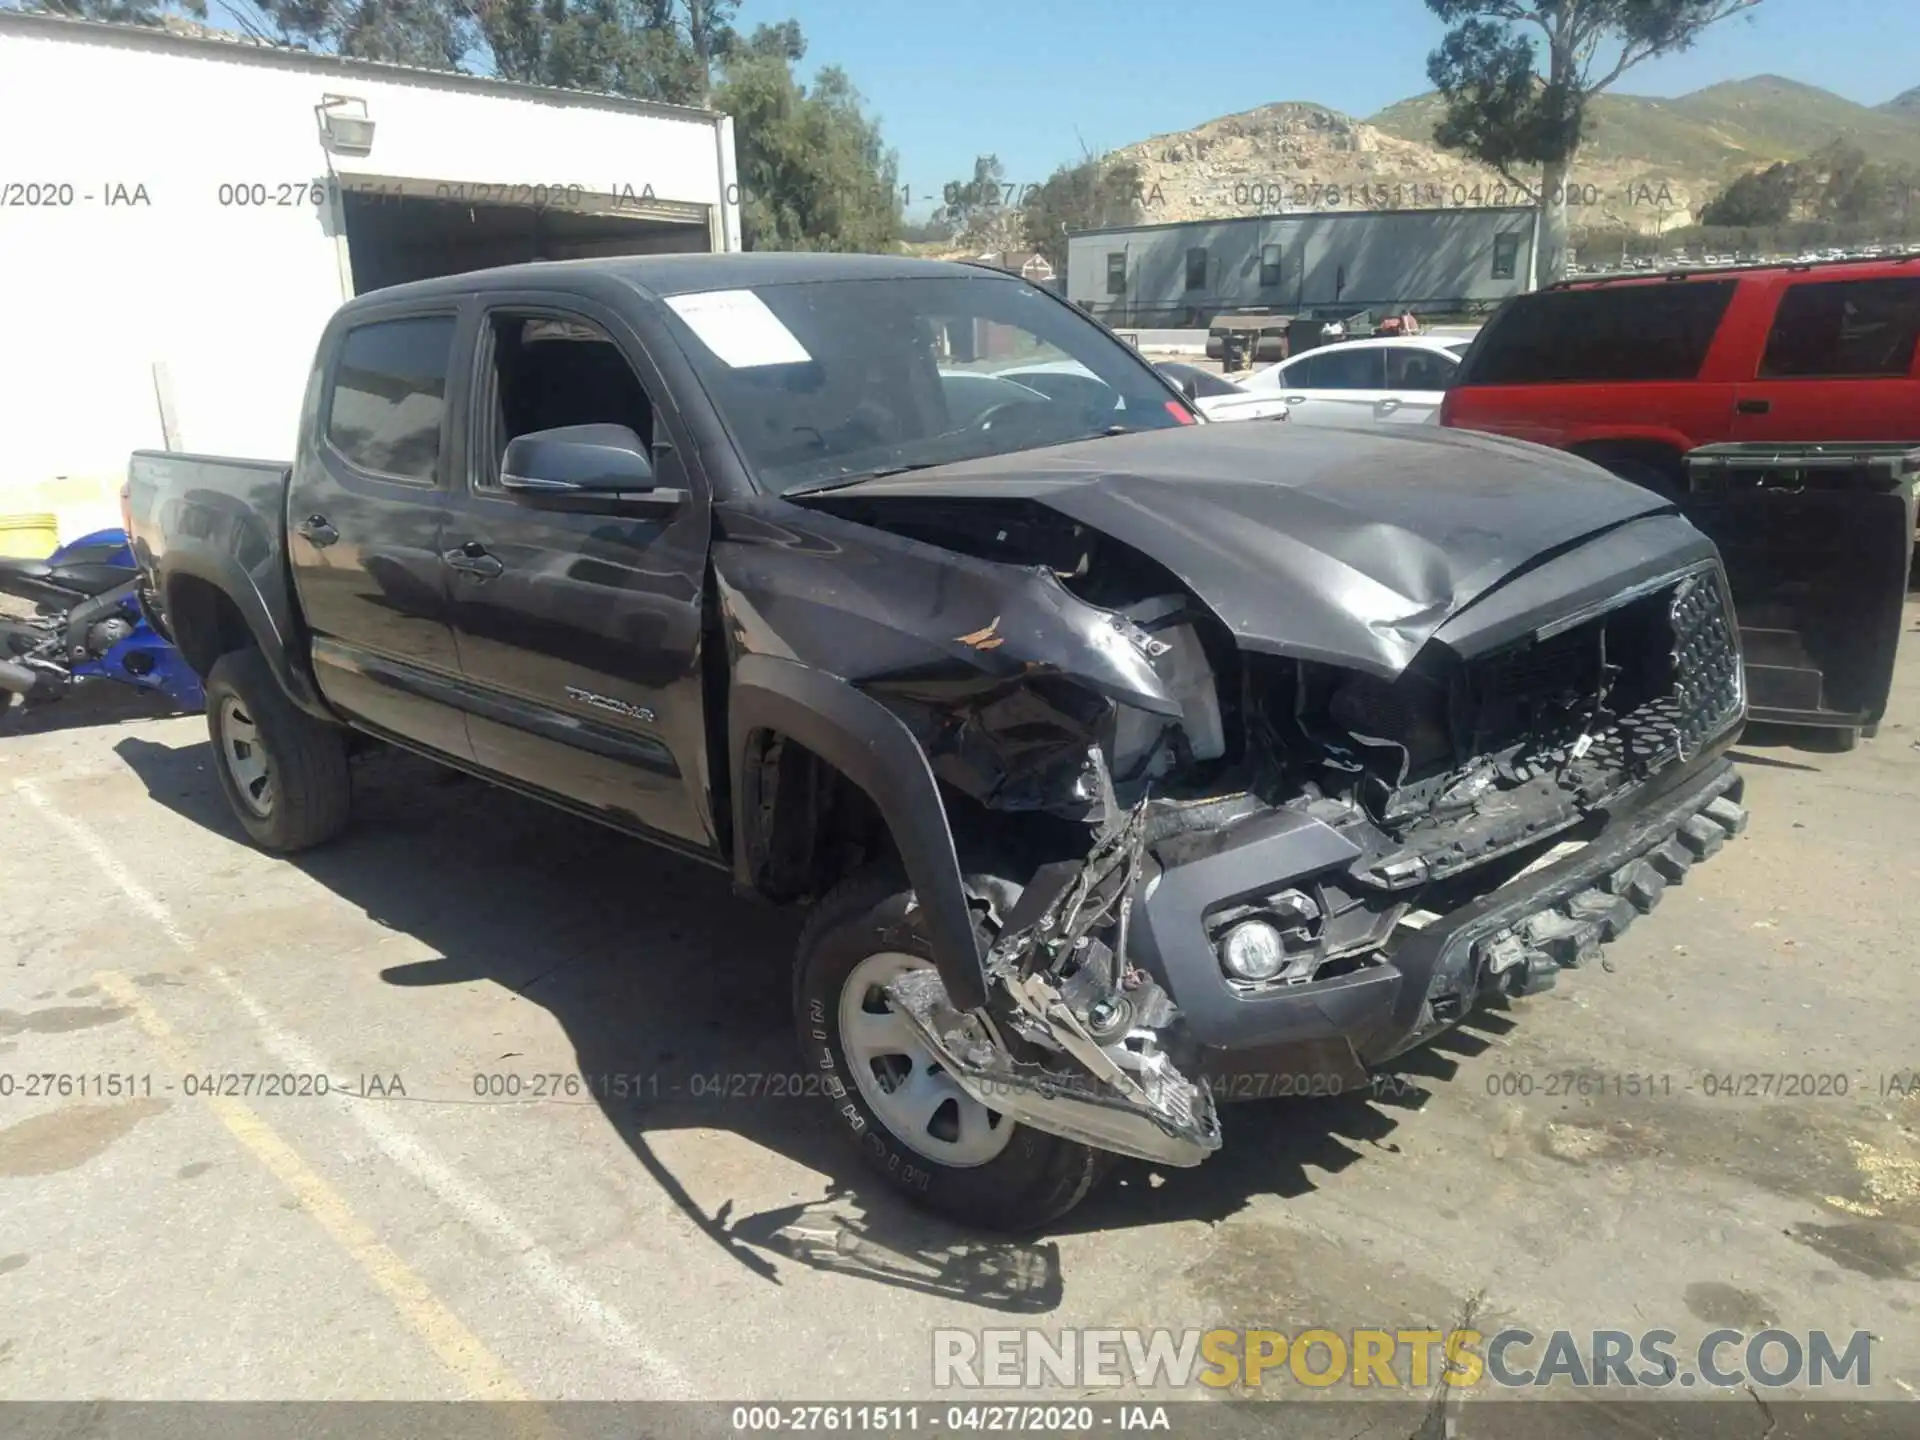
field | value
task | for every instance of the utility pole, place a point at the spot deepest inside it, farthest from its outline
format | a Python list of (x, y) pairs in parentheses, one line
[(699, 23)]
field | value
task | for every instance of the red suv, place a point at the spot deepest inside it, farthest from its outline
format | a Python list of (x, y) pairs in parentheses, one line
[(1777, 405), (1634, 372)]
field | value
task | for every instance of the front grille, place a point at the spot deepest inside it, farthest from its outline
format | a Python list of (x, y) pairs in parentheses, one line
[(1547, 732), (1710, 684), (1678, 683)]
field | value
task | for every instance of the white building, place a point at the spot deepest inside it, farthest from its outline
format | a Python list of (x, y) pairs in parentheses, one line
[(179, 215)]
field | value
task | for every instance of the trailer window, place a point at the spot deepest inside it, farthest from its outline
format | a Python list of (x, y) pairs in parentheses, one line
[(1197, 268), (1117, 272), (1844, 327), (390, 396), (1506, 256), (1270, 269)]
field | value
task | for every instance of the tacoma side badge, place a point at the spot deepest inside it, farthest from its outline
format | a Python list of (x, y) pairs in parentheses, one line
[(607, 702)]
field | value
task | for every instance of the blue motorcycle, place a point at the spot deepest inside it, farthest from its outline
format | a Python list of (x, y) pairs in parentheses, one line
[(88, 624)]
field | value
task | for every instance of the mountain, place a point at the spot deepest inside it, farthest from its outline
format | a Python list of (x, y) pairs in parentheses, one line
[(1302, 156), (1647, 164), (1696, 143), (1297, 155), (1733, 126)]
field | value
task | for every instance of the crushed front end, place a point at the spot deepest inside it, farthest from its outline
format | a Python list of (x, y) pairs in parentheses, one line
[(1263, 764), (1299, 869)]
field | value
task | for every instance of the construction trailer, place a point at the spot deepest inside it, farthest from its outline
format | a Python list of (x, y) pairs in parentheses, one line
[(1180, 275)]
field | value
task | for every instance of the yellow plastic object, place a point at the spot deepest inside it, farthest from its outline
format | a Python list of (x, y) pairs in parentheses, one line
[(29, 537)]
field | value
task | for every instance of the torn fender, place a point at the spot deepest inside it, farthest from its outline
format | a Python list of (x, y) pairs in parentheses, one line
[(868, 744), (919, 621)]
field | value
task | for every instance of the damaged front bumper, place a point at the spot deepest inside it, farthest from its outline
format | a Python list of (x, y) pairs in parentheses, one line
[(1118, 1028), (1324, 1035)]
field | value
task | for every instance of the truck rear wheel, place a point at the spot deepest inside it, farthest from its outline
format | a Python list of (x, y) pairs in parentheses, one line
[(284, 773), (913, 1125)]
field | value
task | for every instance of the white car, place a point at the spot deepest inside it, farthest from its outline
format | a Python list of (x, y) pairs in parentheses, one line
[(1218, 398), (971, 394), (1388, 380)]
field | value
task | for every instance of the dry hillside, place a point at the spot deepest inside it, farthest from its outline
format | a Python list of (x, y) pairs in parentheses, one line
[(1646, 164), (1303, 156)]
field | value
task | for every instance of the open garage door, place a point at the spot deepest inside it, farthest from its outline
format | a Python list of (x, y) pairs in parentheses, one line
[(401, 230)]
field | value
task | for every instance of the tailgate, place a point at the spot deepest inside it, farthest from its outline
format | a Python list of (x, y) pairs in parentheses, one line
[(1818, 543)]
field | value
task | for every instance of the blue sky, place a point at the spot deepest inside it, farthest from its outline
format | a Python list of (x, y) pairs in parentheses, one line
[(1035, 81)]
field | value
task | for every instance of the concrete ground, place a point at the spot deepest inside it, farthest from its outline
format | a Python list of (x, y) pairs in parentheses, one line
[(419, 1232)]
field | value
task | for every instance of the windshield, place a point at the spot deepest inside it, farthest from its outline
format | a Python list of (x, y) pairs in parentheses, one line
[(823, 381)]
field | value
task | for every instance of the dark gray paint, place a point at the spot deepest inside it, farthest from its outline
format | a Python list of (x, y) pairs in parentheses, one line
[(1352, 547), (1357, 548)]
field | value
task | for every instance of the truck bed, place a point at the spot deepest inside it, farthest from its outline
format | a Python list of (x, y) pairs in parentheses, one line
[(216, 519)]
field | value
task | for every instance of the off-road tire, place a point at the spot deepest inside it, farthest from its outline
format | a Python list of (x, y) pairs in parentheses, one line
[(307, 758), (1036, 1179)]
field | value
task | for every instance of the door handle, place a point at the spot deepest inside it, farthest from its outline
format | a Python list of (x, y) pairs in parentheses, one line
[(1295, 399), (472, 559), (317, 531), (1753, 407), (1390, 403)]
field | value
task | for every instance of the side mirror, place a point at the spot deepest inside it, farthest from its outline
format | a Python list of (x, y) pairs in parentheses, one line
[(1190, 387), (604, 461)]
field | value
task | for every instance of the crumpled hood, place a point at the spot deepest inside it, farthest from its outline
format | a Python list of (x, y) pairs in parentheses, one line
[(1351, 546)]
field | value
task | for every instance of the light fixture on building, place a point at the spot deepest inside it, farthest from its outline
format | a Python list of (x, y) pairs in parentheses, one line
[(344, 124)]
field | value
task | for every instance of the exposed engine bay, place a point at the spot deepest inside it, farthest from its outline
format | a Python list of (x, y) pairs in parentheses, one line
[(1449, 780)]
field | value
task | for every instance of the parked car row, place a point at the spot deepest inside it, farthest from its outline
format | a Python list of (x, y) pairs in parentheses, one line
[(1684, 261)]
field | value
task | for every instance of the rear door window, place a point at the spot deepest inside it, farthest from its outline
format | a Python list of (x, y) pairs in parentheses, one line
[(390, 396), (1340, 370), (1844, 328), (1626, 332)]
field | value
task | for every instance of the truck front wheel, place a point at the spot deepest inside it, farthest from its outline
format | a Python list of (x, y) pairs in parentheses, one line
[(913, 1125), (284, 773)]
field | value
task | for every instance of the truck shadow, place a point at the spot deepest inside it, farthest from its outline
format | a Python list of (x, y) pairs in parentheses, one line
[(659, 974)]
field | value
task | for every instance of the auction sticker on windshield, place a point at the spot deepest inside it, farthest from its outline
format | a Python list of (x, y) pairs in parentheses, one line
[(739, 328)]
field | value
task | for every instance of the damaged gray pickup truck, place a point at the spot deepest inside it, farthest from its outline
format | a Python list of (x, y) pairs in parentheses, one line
[(1129, 763)]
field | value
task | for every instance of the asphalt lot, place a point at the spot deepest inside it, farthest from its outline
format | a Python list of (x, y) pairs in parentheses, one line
[(407, 1235)]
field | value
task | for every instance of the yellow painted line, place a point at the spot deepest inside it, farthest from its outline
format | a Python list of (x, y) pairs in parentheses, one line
[(483, 1374)]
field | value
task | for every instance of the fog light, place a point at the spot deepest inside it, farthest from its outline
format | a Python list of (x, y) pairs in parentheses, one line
[(1253, 951)]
